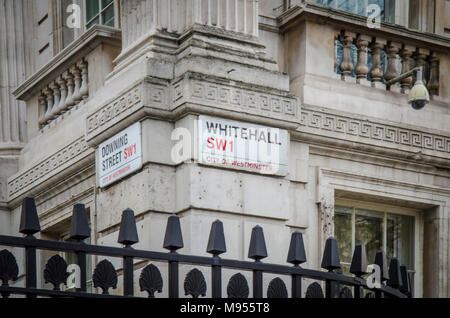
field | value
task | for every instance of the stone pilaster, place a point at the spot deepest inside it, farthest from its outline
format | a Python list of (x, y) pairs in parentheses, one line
[(12, 72)]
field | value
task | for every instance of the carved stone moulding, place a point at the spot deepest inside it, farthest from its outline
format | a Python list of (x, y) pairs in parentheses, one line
[(193, 93), (375, 132)]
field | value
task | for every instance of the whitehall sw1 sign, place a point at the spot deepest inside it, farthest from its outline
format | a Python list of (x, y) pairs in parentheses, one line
[(120, 155), (243, 146)]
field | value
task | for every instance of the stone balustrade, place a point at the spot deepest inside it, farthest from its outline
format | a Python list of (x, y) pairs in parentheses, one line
[(63, 93), (370, 60)]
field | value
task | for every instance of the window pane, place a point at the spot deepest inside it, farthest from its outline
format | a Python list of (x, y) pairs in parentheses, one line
[(389, 11), (343, 232), (105, 3), (68, 34), (347, 5), (369, 230), (95, 21), (328, 3), (361, 7), (108, 16), (400, 239), (379, 3), (92, 9)]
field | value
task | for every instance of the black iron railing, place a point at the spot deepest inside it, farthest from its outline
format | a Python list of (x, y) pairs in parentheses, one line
[(395, 281)]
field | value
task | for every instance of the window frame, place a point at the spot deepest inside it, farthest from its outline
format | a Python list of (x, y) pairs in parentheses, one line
[(58, 25), (99, 14), (393, 209)]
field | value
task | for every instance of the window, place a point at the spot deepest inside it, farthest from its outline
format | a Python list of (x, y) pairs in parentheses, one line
[(379, 229), (68, 33), (71, 258), (387, 7), (99, 12), (90, 11)]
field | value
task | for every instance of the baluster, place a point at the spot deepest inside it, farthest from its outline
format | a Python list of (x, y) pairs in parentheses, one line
[(392, 50), (257, 251), (42, 108), (79, 231), (63, 91), (346, 66), (358, 266), (380, 260), (84, 89), (49, 96), (296, 256), (216, 246), (362, 69), (128, 236), (173, 240), (420, 57), (376, 72), (406, 54), (29, 225), (77, 80), (55, 88), (330, 261), (391, 71), (70, 84), (433, 85)]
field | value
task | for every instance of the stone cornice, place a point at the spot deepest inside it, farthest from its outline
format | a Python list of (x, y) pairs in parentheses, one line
[(80, 47), (358, 24), (192, 93)]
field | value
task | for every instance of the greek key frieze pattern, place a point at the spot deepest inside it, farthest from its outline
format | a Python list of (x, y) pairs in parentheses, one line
[(242, 98), (374, 131), (47, 165), (115, 108)]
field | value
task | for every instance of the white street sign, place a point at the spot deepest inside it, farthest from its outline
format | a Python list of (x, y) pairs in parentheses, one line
[(243, 146), (120, 155)]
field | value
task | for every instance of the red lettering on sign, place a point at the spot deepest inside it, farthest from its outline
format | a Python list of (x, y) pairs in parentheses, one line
[(220, 144)]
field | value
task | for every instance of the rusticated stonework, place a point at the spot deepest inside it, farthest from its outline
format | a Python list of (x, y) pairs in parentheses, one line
[(371, 130)]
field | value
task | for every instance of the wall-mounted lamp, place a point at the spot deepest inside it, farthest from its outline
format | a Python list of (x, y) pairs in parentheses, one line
[(418, 96)]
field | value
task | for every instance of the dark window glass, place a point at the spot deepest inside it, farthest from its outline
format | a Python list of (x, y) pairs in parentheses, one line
[(108, 16), (343, 232), (92, 9), (369, 230), (99, 12)]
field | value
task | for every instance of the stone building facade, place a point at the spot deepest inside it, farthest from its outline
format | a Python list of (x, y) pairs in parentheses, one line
[(361, 164)]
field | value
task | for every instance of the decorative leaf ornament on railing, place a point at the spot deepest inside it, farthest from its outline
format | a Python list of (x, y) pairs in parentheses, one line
[(277, 289), (195, 284), (55, 272), (8, 269), (151, 280), (314, 290), (237, 286), (105, 276)]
